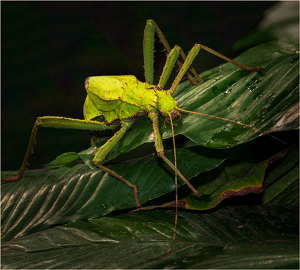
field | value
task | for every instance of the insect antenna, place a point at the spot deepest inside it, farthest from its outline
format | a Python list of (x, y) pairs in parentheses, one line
[(176, 188), (176, 199), (232, 121)]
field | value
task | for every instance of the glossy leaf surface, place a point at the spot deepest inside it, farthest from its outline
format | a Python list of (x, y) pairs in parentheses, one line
[(49, 196), (58, 195), (233, 237)]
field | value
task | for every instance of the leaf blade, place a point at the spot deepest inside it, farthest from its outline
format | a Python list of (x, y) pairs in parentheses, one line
[(233, 237)]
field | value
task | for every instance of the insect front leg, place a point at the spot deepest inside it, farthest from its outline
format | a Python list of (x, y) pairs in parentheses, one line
[(191, 56), (103, 151), (54, 122), (172, 57), (160, 152)]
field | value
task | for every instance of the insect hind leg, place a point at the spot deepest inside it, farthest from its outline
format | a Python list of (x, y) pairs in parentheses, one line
[(194, 52)]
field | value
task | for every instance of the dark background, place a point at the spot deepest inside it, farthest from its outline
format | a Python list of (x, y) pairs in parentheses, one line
[(49, 48)]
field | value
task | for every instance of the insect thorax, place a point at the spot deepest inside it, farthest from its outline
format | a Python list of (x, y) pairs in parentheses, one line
[(121, 97)]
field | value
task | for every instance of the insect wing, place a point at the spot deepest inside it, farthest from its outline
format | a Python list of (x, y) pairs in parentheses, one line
[(106, 97), (89, 109), (105, 87), (104, 92)]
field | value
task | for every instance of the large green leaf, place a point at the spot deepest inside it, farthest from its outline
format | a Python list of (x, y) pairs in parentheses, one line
[(246, 237), (233, 237), (58, 195)]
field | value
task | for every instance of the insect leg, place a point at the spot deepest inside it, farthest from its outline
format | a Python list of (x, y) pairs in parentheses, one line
[(54, 122), (103, 151), (170, 62), (148, 48), (148, 51), (160, 152), (167, 47), (191, 56)]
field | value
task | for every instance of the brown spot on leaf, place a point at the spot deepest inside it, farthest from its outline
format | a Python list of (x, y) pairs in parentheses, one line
[(277, 157), (241, 192)]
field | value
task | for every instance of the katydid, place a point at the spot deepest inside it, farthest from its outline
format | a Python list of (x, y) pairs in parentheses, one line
[(120, 98)]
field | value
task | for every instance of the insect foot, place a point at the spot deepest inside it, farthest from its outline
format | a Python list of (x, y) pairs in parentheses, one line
[(121, 178), (257, 68)]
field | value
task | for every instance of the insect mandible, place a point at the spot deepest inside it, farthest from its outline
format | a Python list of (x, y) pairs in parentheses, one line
[(123, 97)]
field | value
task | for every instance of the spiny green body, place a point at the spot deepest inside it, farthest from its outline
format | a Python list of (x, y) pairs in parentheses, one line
[(121, 97)]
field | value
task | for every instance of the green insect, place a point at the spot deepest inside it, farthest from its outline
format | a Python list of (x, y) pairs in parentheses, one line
[(120, 98)]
